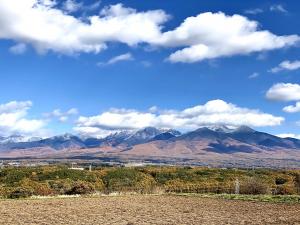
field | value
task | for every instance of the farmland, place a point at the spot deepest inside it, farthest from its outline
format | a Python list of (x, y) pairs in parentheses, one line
[(148, 195), (146, 209)]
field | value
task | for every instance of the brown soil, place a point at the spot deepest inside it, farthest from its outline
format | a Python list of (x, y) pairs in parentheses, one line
[(140, 210)]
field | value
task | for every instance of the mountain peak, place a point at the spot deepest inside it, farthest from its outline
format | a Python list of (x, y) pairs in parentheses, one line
[(145, 133), (149, 130), (220, 128), (66, 136), (244, 129), (172, 131)]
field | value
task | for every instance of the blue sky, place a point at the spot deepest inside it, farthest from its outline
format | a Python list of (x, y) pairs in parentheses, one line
[(113, 87)]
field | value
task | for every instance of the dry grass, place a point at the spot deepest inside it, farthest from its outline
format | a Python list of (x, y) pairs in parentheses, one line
[(139, 210)]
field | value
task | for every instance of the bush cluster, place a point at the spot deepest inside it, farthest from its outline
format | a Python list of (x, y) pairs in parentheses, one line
[(59, 180)]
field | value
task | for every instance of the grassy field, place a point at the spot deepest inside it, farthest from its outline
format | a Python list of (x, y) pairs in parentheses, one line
[(146, 209)]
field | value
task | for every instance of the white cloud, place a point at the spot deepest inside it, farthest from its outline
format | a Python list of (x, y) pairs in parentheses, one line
[(13, 120), (18, 49), (253, 75), (60, 115), (117, 59), (213, 35), (72, 111), (206, 36), (292, 108), (93, 131), (48, 28), (278, 8), (254, 11), (153, 109), (286, 65), (15, 106), (284, 92), (211, 113), (289, 135), (72, 6)]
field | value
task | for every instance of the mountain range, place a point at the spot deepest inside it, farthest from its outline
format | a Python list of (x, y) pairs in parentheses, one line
[(69, 141), (205, 142)]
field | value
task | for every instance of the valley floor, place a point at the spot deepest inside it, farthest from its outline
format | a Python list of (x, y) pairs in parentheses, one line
[(140, 210)]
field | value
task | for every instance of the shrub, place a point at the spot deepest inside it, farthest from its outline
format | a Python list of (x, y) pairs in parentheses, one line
[(42, 189), (198, 187), (146, 184), (99, 185), (204, 172), (297, 182), (21, 192), (3, 192), (284, 190), (81, 188), (165, 174), (60, 187), (123, 180), (178, 185), (12, 176), (280, 180), (38, 188), (65, 173), (253, 186)]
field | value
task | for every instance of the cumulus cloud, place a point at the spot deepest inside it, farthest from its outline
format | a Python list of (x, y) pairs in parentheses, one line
[(278, 8), (286, 65), (13, 120), (18, 49), (284, 92), (292, 108), (47, 27), (211, 35), (60, 115), (117, 59), (211, 113), (205, 36)]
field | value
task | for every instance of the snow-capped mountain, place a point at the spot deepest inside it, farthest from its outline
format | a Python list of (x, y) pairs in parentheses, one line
[(220, 139), (221, 128), (142, 136)]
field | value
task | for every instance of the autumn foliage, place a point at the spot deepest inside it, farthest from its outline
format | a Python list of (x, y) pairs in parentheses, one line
[(60, 180)]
